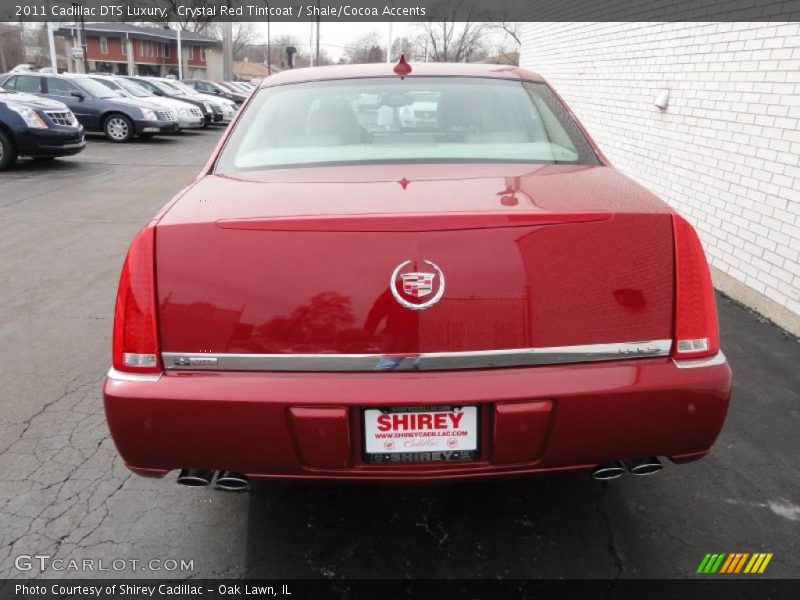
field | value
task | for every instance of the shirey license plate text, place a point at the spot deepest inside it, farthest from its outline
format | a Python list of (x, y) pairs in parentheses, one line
[(421, 434)]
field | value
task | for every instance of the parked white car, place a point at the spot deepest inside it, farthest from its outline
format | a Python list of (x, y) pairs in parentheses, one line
[(227, 107), (189, 116)]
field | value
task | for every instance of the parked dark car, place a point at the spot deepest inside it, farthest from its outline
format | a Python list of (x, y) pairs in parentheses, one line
[(36, 127), (153, 85), (215, 89), (97, 107)]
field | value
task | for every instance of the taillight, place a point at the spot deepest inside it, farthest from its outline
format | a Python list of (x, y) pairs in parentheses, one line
[(696, 328), (135, 330)]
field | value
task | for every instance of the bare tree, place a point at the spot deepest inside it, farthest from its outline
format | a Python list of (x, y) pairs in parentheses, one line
[(365, 49), (10, 46), (411, 48), (38, 45), (324, 58), (244, 35), (456, 34), (511, 30)]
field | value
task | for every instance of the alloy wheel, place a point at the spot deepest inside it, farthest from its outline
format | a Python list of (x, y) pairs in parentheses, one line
[(117, 128)]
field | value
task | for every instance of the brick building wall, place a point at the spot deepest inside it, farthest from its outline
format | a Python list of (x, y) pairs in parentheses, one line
[(725, 152)]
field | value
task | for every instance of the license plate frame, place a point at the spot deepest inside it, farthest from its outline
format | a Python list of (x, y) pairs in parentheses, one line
[(428, 453)]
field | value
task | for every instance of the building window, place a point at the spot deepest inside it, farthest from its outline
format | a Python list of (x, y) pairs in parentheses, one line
[(165, 49), (202, 54), (191, 52), (123, 44), (103, 45)]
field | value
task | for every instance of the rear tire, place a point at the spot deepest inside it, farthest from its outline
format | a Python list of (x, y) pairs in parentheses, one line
[(8, 153), (118, 128)]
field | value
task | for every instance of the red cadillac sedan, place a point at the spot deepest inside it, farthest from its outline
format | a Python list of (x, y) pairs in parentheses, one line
[(384, 274)]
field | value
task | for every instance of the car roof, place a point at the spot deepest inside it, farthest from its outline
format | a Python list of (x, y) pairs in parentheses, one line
[(385, 70)]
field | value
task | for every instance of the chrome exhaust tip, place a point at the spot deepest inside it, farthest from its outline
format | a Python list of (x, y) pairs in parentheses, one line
[(229, 481), (195, 477), (609, 470), (643, 466)]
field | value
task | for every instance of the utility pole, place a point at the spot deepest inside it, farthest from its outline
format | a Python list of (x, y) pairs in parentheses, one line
[(83, 42), (389, 44), (317, 59), (269, 46), (311, 43), (51, 42), (180, 54), (23, 47), (227, 50)]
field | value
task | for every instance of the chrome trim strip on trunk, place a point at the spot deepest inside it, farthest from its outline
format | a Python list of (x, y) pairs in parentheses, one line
[(432, 361), (696, 363)]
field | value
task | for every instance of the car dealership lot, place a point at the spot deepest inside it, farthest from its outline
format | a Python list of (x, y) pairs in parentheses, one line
[(64, 493)]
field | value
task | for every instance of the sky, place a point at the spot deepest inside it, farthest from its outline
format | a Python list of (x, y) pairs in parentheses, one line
[(334, 37)]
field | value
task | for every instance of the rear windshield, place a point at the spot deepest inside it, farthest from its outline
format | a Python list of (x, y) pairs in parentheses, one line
[(389, 120)]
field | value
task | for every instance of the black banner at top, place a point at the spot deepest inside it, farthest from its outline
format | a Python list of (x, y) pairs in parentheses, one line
[(162, 11)]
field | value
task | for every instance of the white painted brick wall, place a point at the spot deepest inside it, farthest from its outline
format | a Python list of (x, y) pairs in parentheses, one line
[(725, 153)]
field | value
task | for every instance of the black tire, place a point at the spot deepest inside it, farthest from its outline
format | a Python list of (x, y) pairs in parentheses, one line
[(118, 128), (8, 152)]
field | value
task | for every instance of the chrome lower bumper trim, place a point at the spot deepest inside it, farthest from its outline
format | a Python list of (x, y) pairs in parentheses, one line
[(433, 361), (697, 363), (115, 375)]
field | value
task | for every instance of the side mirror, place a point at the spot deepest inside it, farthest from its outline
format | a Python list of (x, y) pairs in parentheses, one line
[(78, 95)]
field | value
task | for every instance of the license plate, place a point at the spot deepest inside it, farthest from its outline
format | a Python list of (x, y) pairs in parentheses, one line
[(421, 434)]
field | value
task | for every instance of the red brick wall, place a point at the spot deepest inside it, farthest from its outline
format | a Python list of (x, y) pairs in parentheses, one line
[(197, 61), (114, 49)]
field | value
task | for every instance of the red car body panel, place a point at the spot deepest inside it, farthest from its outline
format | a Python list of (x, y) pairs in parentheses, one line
[(298, 261)]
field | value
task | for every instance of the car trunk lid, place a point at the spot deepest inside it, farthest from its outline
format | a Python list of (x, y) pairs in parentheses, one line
[(304, 261)]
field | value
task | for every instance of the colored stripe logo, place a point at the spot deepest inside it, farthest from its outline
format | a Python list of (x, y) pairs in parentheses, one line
[(735, 562)]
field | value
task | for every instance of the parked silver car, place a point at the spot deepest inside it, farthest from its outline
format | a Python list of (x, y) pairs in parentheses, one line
[(189, 116)]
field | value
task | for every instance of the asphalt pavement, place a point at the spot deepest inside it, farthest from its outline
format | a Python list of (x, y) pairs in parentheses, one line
[(64, 493)]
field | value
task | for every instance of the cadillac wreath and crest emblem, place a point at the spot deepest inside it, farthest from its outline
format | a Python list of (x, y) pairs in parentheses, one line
[(417, 284)]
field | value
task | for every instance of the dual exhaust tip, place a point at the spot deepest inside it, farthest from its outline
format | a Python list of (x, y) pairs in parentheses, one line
[(227, 481), (635, 466), (230, 481)]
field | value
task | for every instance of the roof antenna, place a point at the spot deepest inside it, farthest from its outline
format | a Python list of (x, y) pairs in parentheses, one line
[(402, 68)]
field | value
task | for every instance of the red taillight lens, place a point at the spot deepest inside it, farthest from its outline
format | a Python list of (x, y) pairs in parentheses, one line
[(696, 328), (135, 330)]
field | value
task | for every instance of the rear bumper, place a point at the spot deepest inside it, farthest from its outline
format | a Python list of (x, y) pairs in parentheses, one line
[(582, 415)]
